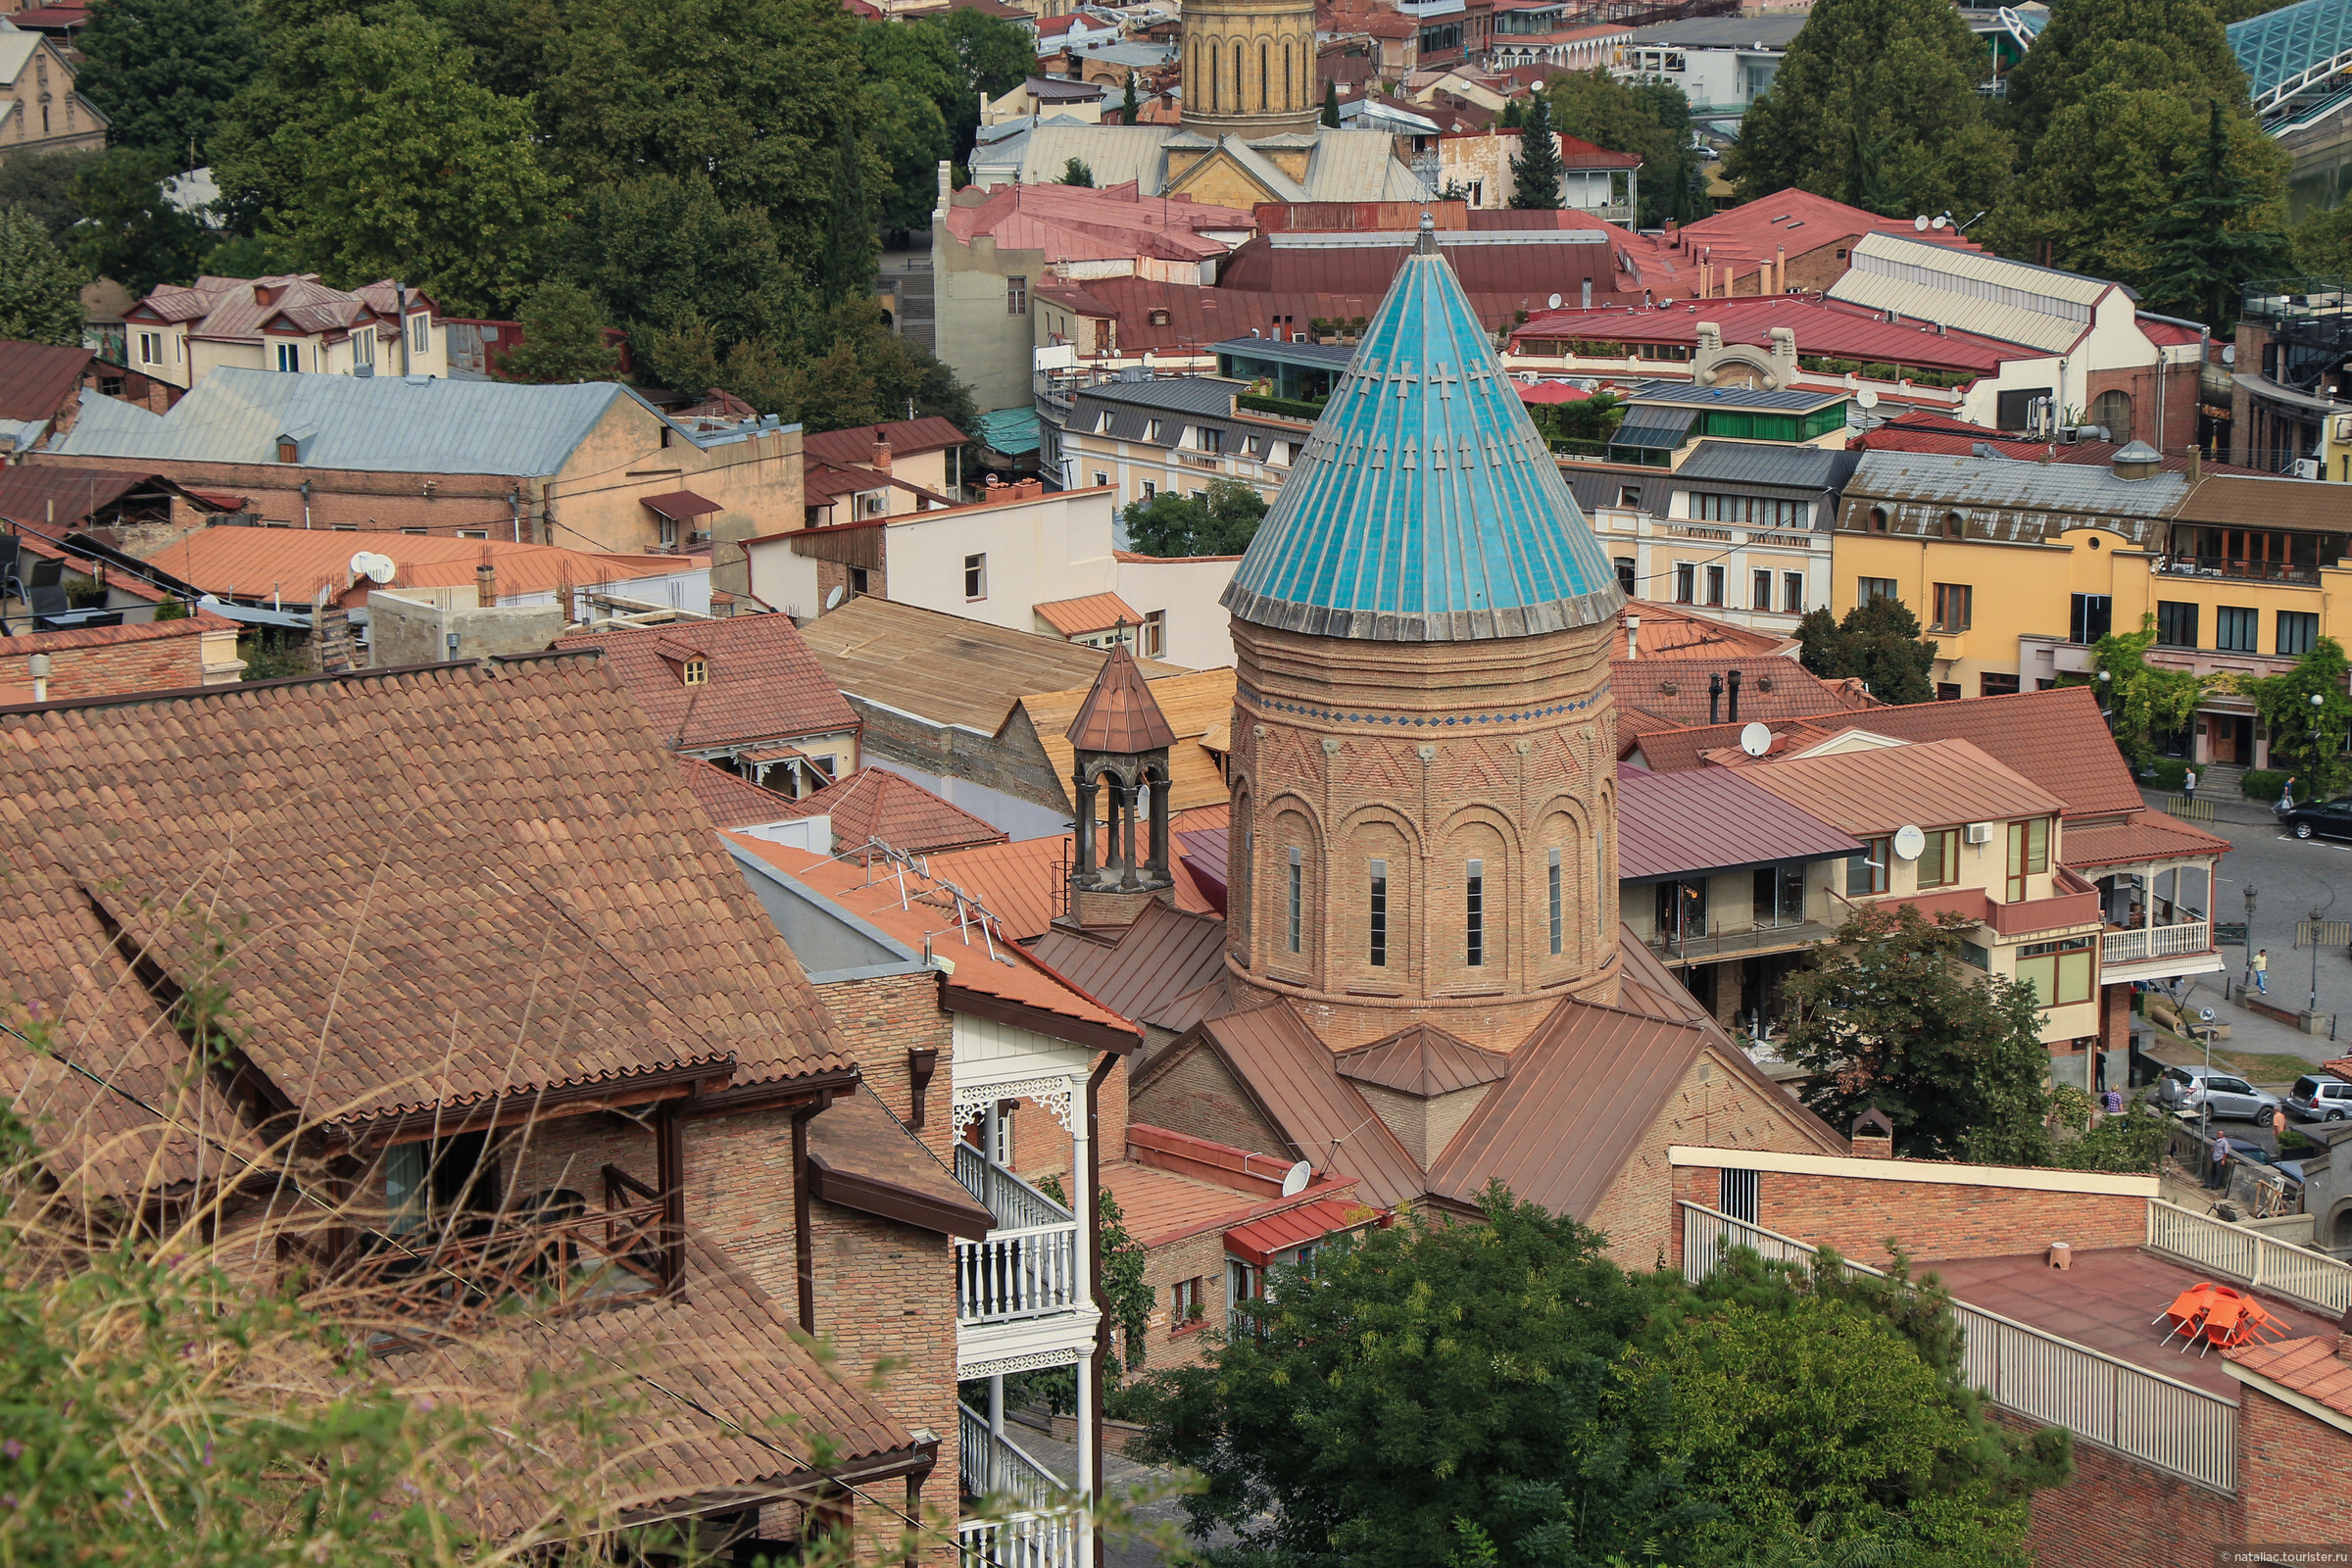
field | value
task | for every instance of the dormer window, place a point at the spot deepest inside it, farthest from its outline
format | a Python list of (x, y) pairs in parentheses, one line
[(696, 672)]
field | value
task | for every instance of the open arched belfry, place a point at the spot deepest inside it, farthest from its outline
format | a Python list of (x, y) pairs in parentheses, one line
[(1424, 743)]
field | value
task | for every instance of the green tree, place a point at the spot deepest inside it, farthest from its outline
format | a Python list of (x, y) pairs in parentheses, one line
[(1330, 103), (1221, 524), (562, 339), (1536, 172), (130, 233), (1875, 104), (1879, 643), (2144, 703), (161, 71), (1077, 172), (1892, 1016), (2181, 48), (2207, 244), (845, 266), (2308, 736), (43, 183), (40, 291)]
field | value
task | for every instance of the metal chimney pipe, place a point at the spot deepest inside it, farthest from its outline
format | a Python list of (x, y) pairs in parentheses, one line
[(1715, 699), (1733, 716)]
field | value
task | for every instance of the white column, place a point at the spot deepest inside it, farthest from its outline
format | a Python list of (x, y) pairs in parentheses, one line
[(1083, 1194)]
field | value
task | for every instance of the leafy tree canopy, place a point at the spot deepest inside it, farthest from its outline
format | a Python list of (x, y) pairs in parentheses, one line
[(1879, 642), (161, 71), (40, 291), (1875, 104), (1221, 524)]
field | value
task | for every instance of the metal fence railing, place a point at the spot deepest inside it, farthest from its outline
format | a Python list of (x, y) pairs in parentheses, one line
[(2314, 1279), (2140, 1414)]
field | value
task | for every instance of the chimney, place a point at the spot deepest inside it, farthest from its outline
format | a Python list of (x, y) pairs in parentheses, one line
[(485, 581), (1715, 697), (1633, 636), (881, 457), (1732, 714), (1873, 1135)]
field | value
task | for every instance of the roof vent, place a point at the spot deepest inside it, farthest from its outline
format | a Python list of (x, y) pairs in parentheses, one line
[(2138, 460)]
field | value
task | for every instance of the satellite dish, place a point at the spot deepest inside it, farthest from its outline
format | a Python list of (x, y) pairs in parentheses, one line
[(1295, 1180), (1555, 302), (833, 599), (1867, 398), (1756, 739), (1908, 842), (1920, 222)]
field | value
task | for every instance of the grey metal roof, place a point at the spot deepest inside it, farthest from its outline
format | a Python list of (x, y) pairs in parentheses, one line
[(1945, 479), (386, 423), (1723, 32), (1681, 394), (1793, 468)]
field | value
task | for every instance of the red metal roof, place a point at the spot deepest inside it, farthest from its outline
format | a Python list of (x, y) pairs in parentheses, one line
[(1258, 1240)]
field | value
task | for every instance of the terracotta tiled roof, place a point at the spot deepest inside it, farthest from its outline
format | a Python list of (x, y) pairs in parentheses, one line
[(1422, 1059), (1712, 819), (2144, 836), (874, 803), (729, 800), (2309, 1366), (38, 379), (1157, 963), (762, 684), (1770, 688), (445, 886), (1074, 617), (1928, 784), (1118, 714)]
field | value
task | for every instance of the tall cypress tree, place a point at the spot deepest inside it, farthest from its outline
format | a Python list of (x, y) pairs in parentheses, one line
[(846, 269), (1535, 172), (1330, 103)]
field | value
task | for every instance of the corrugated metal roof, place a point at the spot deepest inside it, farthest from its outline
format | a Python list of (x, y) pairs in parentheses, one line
[(1424, 506), (1712, 819), (1928, 784), (2015, 301), (385, 423), (1793, 468)]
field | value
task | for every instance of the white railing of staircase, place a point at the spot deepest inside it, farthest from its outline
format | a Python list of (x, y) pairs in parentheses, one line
[(1015, 1204), (2314, 1279), (2140, 1414)]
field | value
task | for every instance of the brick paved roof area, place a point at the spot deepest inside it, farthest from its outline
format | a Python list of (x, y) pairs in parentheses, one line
[(1770, 688), (762, 684), (1118, 714), (2309, 1366), (874, 803), (1164, 956), (1712, 819), (439, 887), (714, 1366), (2104, 1300), (1930, 784), (731, 801)]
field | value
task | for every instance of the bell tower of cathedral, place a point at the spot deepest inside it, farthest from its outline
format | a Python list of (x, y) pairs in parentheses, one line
[(1249, 67), (1424, 742)]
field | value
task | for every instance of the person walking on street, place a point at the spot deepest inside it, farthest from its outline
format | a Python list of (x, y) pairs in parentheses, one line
[(2188, 783), (2220, 1164), (2261, 971)]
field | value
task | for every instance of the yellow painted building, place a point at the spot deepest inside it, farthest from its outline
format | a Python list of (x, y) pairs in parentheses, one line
[(2016, 569)]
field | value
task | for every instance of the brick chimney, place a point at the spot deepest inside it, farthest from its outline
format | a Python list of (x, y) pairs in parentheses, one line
[(485, 581), (881, 457), (1873, 1135)]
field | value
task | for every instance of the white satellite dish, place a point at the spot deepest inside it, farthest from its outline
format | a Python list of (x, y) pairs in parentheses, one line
[(1555, 302), (374, 567), (1920, 222), (1295, 1180), (1908, 842), (1756, 739), (833, 599), (1867, 398)]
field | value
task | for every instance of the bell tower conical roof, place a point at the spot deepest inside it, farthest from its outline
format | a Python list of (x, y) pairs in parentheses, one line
[(1424, 506)]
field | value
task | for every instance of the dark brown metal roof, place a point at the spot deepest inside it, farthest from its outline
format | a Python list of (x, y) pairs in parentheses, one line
[(1119, 714), (1423, 1061), (1713, 820)]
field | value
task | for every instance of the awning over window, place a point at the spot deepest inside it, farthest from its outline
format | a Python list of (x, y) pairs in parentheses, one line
[(1258, 1240), (679, 504)]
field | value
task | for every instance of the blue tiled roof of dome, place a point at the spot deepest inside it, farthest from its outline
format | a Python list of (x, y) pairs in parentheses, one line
[(1424, 506)]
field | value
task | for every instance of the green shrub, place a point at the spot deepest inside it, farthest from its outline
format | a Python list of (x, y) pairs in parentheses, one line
[(2264, 783)]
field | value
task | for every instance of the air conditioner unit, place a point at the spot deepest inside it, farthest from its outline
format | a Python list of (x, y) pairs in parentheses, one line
[(1979, 832)]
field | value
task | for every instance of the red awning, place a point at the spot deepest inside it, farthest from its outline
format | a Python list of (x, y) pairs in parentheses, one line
[(679, 504), (1258, 1240)]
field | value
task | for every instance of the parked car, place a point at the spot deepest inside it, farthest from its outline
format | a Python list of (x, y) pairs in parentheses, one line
[(2316, 1099), (2186, 1089), (2325, 819)]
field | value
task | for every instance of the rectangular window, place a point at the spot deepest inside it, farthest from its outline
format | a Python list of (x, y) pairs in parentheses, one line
[(1763, 591), (1624, 575), (2091, 619), (1685, 582), (1736, 1195), (2060, 972), (975, 577), (1715, 586), (1297, 886), (1940, 861), (2176, 623), (2298, 629), (1793, 593), (2236, 630), (289, 356), (2029, 854), (1954, 602), (1156, 633), (1474, 949), (1865, 873), (1380, 914), (1554, 873), (1017, 296), (1868, 588)]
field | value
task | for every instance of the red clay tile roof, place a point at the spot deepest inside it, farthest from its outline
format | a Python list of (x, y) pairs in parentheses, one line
[(1423, 1060), (730, 800), (1151, 971), (2145, 836), (2309, 1366), (1074, 617), (763, 683), (38, 379), (1770, 688), (442, 887), (1119, 714), (1712, 819), (874, 803)]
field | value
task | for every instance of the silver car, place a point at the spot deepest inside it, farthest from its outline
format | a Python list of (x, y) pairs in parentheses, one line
[(2215, 1089)]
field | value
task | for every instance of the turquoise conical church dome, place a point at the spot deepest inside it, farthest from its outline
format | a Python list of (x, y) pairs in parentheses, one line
[(1424, 506)]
